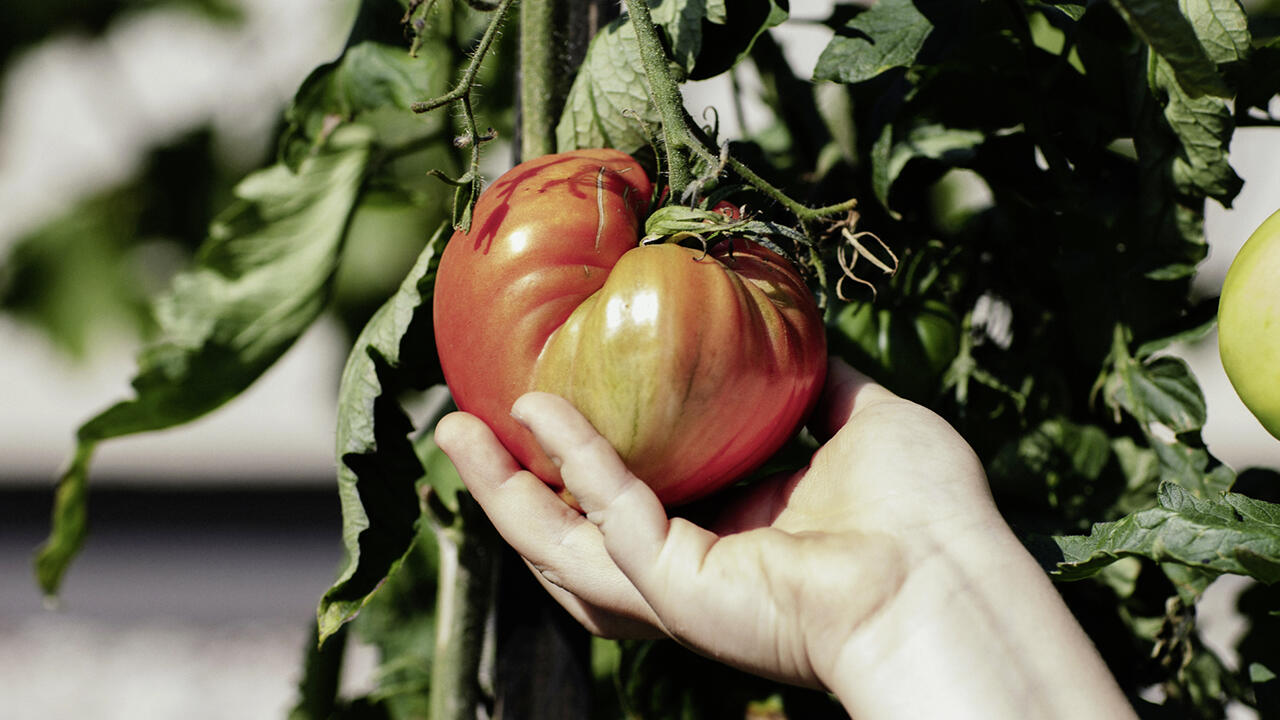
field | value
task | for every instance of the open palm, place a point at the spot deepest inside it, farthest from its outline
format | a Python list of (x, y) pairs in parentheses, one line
[(788, 573)]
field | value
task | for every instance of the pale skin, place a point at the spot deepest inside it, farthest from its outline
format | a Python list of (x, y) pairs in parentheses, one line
[(882, 572)]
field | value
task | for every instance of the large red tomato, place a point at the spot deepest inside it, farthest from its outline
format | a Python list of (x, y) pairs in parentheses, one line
[(695, 368)]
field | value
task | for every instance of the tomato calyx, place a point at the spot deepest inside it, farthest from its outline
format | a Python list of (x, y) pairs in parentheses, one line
[(706, 229)]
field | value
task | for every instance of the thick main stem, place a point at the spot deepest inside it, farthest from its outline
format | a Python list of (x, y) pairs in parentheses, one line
[(666, 95), (469, 553), (537, 78)]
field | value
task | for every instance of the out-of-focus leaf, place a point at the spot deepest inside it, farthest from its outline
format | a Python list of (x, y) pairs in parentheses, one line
[(888, 35), (259, 281), (72, 278), (1072, 10), (1171, 35), (608, 105), (663, 681), (933, 142), (378, 466), (1259, 80), (729, 30), (371, 83), (1229, 534), (321, 674)]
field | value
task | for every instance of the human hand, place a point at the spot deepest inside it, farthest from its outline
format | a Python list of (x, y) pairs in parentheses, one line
[(844, 575)]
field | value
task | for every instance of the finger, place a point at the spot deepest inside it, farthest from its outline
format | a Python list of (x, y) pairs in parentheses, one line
[(554, 539), (624, 508), (847, 392), (599, 620), (662, 558)]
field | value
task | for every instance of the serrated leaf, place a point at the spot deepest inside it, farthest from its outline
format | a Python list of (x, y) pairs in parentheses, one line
[(1160, 391), (608, 105), (1222, 27), (378, 466), (888, 35), (259, 281), (1171, 36), (1209, 534), (1203, 126)]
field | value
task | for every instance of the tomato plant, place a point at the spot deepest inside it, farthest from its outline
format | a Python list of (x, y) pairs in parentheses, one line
[(696, 366), (1249, 323), (1048, 158)]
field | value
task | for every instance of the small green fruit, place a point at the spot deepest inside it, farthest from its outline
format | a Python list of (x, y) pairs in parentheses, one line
[(1249, 324)]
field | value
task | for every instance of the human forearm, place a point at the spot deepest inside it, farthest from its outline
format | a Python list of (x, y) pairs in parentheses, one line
[(989, 640)]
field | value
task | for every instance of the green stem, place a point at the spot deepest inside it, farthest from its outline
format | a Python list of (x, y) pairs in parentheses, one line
[(678, 137), (468, 548), (666, 95), (537, 79), (468, 79)]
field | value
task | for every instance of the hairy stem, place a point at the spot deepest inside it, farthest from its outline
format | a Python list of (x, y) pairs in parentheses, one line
[(537, 78), (665, 94)]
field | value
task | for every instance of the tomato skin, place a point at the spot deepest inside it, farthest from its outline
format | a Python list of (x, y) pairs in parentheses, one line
[(695, 368), (1249, 324)]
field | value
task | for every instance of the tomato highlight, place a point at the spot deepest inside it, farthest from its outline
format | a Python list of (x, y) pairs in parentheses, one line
[(695, 366)]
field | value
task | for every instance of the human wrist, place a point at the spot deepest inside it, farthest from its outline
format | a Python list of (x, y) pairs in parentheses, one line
[(976, 630)]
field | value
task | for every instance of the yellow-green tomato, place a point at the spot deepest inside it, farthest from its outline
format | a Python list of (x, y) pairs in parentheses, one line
[(1249, 324)]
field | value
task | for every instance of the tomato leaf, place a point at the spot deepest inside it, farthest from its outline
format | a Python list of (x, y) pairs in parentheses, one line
[(1231, 533), (608, 105), (950, 146), (1172, 36), (1162, 391), (888, 35), (1203, 126), (378, 467), (371, 83), (1222, 27), (261, 278)]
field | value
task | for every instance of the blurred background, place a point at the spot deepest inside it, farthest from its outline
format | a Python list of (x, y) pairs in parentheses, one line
[(123, 126)]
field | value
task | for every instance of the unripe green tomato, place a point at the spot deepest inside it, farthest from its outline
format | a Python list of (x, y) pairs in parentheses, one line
[(1249, 324)]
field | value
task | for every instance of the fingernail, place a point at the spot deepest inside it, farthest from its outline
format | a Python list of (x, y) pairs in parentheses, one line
[(519, 418)]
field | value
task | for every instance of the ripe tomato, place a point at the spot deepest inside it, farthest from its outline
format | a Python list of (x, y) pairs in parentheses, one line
[(696, 368), (1249, 324)]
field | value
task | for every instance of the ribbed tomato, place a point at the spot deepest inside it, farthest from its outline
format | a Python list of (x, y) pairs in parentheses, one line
[(695, 367)]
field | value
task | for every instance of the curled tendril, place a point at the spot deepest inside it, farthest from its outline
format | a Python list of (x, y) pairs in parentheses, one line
[(852, 249)]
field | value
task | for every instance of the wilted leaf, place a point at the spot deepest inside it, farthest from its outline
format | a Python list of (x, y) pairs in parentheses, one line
[(260, 280), (378, 465)]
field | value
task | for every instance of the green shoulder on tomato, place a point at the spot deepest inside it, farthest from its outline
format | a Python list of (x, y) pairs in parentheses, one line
[(695, 366)]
